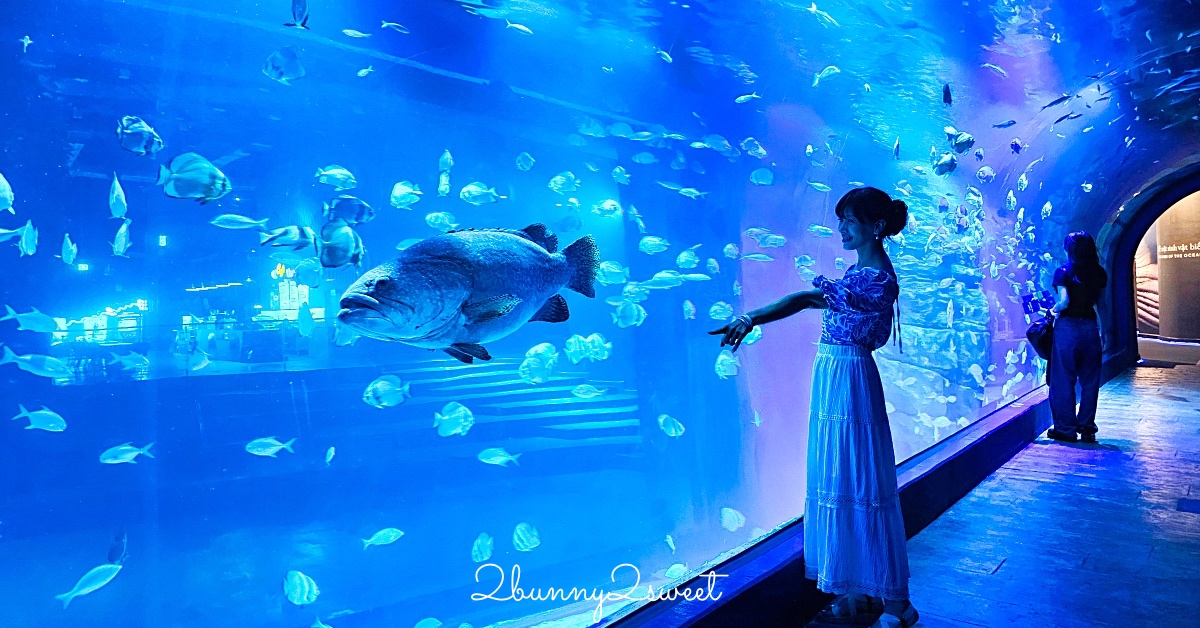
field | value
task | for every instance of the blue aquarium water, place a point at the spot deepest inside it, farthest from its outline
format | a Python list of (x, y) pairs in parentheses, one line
[(198, 188)]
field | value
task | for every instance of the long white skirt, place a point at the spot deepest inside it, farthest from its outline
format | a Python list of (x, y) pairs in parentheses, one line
[(854, 538)]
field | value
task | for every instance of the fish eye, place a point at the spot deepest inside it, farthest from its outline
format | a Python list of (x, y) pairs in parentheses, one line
[(381, 283)]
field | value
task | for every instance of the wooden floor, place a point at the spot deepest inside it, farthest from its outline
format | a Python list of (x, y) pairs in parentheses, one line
[(1073, 535)]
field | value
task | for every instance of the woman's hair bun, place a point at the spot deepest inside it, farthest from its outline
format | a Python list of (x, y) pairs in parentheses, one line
[(871, 205)]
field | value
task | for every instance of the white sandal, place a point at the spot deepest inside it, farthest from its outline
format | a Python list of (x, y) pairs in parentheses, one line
[(851, 607)]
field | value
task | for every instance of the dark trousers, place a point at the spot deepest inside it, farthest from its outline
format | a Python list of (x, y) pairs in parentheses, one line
[(1075, 359)]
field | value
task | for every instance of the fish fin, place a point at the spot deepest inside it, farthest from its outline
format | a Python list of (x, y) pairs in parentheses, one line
[(24, 412), (7, 357), (474, 350), (458, 355), (489, 309), (583, 258), (264, 237), (554, 311), (304, 24), (542, 236), (288, 446), (9, 314), (514, 459), (366, 544), (65, 597), (146, 450), (164, 175)]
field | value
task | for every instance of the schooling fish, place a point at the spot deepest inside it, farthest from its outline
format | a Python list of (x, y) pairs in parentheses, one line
[(116, 199), (339, 245), (138, 137), (349, 209), (284, 65), (44, 419), (42, 365), (399, 28), (1057, 101), (461, 289), (125, 453), (478, 193), (121, 242), (520, 28), (295, 237), (337, 176), (995, 68), (27, 238), (33, 320), (826, 73), (92, 580), (69, 250), (6, 196), (236, 221), (1004, 125), (350, 32), (268, 446), (386, 392), (299, 14), (404, 194), (191, 176)]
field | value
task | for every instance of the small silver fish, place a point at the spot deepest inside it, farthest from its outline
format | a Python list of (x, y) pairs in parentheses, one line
[(236, 221), (520, 28), (826, 73)]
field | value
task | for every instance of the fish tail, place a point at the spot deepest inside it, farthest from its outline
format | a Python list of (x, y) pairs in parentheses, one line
[(514, 459), (24, 412), (9, 314), (146, 450), (66, 598), (404, 391), (8, 356), (366, 544), (263, 237), (304, 24), (164, 175), (583, 260), (288, 446), (262, 225)]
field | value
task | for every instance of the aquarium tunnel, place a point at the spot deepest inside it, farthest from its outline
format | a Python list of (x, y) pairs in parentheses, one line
[(193, 190)]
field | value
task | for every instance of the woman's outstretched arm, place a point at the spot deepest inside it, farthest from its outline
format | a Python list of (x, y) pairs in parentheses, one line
[(735, 331), (787, 306)]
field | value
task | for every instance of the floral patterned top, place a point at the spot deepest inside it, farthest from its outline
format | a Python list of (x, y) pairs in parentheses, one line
[(860, 307)]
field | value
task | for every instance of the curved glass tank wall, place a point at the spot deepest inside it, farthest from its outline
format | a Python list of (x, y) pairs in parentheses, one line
[(205, 444)]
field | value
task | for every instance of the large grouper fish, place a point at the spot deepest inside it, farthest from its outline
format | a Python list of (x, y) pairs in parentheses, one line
[(460, 289)]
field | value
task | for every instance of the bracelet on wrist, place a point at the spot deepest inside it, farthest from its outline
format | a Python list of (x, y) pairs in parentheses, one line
[(745, 318)]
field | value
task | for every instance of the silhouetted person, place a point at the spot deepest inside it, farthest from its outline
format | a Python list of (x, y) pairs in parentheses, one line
[(1076, 355), (854, 541)]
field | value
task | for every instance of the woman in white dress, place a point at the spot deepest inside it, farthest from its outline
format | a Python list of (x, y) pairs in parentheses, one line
[(854, 540)]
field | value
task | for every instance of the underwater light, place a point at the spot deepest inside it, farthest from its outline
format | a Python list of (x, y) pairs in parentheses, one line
[(82, 267), (162, 240)]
